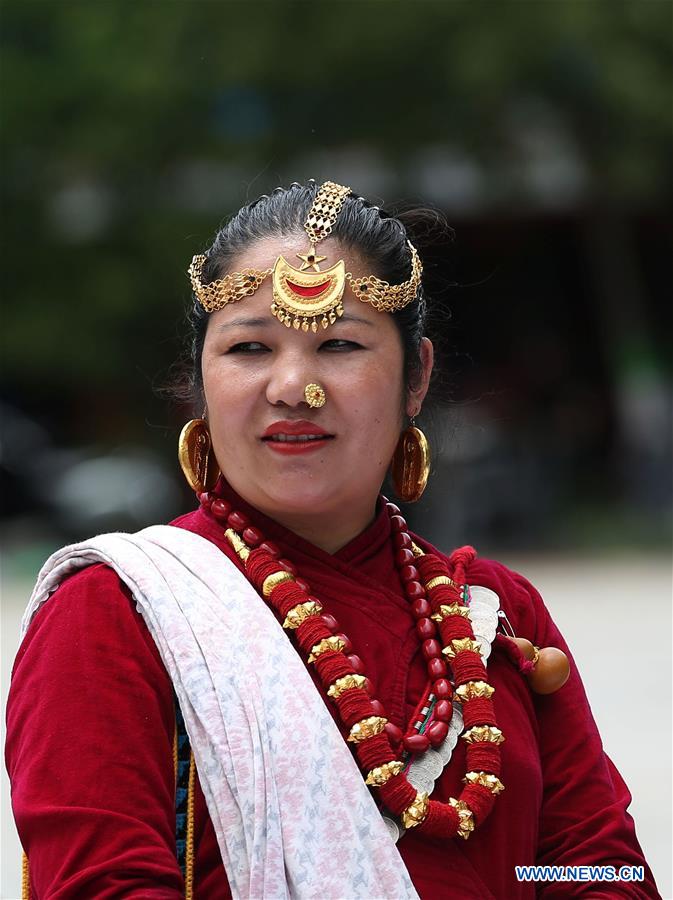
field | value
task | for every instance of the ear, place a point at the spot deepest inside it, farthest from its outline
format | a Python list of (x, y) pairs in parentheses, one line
[(416, 392)]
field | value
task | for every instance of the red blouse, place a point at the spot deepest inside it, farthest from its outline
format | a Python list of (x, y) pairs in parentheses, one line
[(90, 725)]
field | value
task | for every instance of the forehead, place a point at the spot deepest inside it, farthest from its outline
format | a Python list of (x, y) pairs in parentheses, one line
[(262, 255)]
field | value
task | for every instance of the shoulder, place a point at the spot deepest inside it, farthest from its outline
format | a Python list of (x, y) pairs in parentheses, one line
[(86, 638), (519, 599), (99, 586), (191, 521), (96, 587), (97, 590), (206, 526), (91, 608), (509, 585)]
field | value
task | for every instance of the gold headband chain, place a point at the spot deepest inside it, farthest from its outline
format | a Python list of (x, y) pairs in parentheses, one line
[(308, 297)]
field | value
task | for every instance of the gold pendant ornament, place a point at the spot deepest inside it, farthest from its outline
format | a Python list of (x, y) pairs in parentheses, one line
[(411, 465), (474, 690), (485, 779), (483, 734), (314, 395), (366, 728), (462, 645), (301, 612), (416, 812), (465, 817), (304, 299), (345, 683), (383, 773), (196, 456), (309, 298)]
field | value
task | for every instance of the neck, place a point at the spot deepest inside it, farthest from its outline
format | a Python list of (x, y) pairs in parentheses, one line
[(330, 527), (329, 533)]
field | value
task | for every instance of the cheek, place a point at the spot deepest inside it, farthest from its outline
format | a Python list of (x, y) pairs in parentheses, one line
[(380, 409), (227, 398), (208, 372), (223, 373), (213, 391)]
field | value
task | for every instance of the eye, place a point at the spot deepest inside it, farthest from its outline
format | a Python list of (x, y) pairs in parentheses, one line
[(248, 347), (339, 344)]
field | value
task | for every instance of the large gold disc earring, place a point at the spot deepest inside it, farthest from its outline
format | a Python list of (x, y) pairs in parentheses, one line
[(196, 456), (411, 465)]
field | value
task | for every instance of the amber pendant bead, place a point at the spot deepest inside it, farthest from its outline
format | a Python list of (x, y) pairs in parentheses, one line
[(552, 668), (551, 671)]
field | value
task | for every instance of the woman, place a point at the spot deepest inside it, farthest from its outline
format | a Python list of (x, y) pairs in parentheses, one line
[(308, 374)]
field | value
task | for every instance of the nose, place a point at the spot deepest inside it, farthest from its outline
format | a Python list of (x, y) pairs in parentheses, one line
[(289, 375)]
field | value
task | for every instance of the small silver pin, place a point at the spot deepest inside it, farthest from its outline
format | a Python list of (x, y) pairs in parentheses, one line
[(505, 624)]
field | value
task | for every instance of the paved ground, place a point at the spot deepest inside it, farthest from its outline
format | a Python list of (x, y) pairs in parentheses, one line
[(616, 616)]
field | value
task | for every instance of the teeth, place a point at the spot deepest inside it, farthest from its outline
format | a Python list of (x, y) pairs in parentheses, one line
[(295, 438)]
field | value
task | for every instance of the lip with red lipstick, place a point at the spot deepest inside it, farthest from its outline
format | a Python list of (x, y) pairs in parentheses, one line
[(298, 436)]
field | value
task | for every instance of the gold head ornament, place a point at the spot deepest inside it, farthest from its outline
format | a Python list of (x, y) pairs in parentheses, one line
[(308, 298)]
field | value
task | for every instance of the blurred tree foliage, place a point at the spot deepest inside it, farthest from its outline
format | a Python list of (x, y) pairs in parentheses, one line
[(130, 128)]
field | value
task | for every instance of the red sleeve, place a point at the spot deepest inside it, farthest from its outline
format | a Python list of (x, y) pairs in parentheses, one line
[(584, 818), (90, 725)]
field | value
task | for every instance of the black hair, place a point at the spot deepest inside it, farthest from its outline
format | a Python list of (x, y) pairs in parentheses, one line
[(379, 237)]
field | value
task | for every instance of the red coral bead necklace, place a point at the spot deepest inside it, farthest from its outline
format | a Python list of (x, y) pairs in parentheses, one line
[(438, 599)]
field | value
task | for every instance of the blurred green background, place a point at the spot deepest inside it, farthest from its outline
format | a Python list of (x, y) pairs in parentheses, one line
[(542, 129)]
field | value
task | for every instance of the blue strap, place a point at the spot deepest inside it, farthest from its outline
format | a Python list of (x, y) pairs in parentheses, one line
[(181, 788)]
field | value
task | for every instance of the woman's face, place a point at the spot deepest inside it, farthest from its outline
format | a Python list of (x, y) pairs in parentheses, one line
[(254, 374)]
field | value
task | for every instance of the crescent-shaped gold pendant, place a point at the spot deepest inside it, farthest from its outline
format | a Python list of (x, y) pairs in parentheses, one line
[(321, 292)]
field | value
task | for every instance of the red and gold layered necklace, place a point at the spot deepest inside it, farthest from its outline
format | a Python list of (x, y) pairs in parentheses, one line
[(438, 597)]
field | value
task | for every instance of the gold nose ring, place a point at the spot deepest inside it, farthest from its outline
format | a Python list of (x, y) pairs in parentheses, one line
[(314, 395)]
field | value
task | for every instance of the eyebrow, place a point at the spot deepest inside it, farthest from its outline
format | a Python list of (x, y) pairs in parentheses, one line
[(349, 317), (243, 321), (259, 322)]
